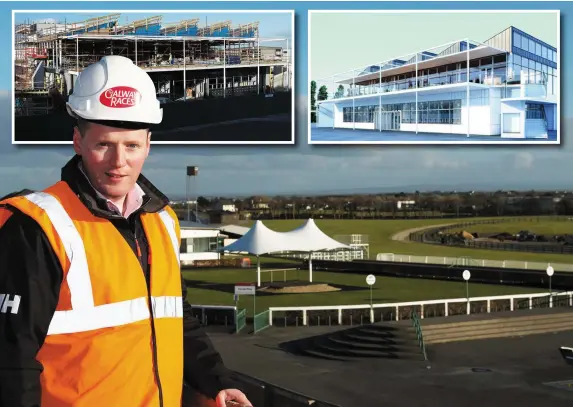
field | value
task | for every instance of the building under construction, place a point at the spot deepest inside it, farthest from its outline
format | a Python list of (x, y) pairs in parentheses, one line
[(184, 60)]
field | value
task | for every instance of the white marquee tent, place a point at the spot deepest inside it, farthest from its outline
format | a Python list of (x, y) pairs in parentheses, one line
[(260, 240)]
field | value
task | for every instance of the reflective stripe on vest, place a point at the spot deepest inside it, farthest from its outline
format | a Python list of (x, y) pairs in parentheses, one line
[(115, 314), (78, 276), (84, 316)]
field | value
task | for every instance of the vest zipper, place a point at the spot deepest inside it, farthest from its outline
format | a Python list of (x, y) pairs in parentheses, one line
[(150, 305)]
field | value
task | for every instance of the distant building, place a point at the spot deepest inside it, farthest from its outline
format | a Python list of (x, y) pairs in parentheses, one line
[(405, 204), (199, 242), (225, 205)]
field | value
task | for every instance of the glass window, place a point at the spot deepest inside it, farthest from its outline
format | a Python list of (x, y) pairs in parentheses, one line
[(554, 56), (538, 48), (538, 66), (531, 64), (531, 46), (517, 40), (516, 59), (544, 52)]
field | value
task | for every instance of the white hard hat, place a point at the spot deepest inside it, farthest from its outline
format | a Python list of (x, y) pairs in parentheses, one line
[(115, 90)]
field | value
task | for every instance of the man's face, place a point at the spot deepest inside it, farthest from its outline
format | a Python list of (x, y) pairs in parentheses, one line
[(112, 157)]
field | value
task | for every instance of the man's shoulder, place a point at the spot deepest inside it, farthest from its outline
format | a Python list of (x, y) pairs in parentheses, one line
[(22, 192)]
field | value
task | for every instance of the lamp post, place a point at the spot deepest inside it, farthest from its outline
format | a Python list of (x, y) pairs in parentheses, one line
[(466, 275), (192, 171), (371, 280), (550, 273)]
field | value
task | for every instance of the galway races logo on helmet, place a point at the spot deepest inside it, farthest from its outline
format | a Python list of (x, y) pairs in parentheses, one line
[(120, 96)]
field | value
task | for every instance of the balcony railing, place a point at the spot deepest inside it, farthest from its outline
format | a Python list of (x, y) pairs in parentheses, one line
[(425, 81)]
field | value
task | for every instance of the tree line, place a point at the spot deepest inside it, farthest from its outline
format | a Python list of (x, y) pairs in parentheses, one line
[(400, 205)]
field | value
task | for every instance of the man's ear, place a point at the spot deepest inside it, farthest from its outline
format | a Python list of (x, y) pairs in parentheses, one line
[(77, 141)]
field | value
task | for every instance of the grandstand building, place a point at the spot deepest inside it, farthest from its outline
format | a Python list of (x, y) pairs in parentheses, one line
[(185, 60), (507, 86)]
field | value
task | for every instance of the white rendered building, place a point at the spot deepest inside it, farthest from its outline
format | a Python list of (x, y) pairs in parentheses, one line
[(506, 86)]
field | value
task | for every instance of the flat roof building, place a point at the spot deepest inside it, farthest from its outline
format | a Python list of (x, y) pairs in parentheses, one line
[(506, 86)]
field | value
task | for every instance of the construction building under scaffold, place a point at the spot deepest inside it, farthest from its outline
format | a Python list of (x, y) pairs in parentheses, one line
[(185, 60)]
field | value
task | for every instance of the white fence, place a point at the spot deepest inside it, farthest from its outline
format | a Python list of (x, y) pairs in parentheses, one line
[(445, 303), (468, 261)]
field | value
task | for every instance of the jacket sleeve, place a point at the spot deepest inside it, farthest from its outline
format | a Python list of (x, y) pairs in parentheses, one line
[(204, 369), (30, 272)]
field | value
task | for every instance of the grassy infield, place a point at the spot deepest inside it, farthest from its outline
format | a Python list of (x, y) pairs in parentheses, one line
[(215, 286)]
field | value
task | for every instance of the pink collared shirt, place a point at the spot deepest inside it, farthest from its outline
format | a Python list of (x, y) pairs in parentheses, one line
[(133, 200)]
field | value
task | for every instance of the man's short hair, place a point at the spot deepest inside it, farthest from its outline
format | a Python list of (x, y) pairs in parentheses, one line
[(83, 125)]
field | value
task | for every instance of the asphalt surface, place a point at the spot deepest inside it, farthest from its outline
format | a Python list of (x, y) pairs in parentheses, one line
[(329, 135), (516, 371), (265, 129)]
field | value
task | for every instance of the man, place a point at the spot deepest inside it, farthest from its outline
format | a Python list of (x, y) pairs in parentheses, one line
[(83, 263)]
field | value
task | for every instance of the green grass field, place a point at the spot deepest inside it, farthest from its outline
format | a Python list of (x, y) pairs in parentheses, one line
[(380, 234), (216, 287)]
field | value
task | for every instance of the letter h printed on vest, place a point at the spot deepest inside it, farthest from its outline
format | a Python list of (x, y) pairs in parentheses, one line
[(99, 347)]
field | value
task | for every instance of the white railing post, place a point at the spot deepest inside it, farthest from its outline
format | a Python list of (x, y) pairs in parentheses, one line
[(571, 300), (421, 311), (511, 304), (304, 317), (397, 312), (488, 305), (270, 317), (468, 308), (339, 316), (530, 302), (446, 308), (371, 315)]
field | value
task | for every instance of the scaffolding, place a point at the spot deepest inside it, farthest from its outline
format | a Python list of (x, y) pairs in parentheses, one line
[(183, 59), (93, 26), (249, 30), (185, 27), (220, 29), (145, 26)]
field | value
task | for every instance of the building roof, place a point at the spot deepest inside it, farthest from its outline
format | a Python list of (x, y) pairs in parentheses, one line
[(480, 51), (235, 229)]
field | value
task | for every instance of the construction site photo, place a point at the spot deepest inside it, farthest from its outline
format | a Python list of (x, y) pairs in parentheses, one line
[(219, 77)]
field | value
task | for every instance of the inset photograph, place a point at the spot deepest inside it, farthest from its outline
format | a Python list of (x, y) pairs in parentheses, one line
[(434, 77), (219, 77)]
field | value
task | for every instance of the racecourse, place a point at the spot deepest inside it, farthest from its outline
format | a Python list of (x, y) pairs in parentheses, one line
[(216, 286)]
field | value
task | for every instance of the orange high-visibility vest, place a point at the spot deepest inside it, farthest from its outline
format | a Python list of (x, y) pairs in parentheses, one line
[(99, 350)]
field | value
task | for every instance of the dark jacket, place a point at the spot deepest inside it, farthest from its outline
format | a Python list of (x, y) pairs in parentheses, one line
[(30, 268)]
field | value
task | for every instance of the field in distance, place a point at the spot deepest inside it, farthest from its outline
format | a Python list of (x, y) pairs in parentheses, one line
[(380, 234)]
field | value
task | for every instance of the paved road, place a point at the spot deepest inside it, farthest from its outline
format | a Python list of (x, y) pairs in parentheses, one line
[(518, 369), (350, 136), (275, 128)]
